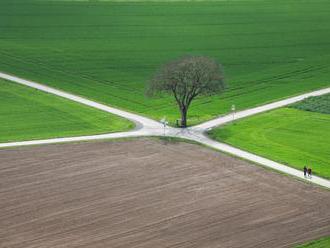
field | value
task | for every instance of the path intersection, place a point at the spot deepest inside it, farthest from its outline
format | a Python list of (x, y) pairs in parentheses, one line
[(148, 127)]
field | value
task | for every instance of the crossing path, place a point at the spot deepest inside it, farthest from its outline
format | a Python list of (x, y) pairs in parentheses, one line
[(149, 127)]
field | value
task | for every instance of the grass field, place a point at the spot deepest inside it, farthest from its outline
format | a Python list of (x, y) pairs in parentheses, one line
[(286, 135), (107, 50), (28, 114), (321, 243)]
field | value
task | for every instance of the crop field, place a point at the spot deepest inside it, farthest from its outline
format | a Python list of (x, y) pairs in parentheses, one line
[(321, 243), (289, 135), (146, 193), (320, 104), (27, 114), (107, 51)]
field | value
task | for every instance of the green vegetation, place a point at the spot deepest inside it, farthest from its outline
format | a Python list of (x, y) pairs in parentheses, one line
[(28, 114), (321, 243), (286, 135), (319, 104), (107, 50)]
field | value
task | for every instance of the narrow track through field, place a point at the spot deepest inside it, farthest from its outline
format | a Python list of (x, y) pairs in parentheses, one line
[(148, 127)]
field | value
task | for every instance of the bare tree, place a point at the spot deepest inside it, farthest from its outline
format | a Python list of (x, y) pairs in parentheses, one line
[(185, 79)]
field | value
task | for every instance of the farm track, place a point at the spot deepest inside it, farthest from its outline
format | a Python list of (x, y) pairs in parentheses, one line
[(147, 193), (148, 127)]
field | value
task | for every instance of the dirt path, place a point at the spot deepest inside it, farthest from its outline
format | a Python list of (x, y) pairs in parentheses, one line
[(148, 127), (145, 193), (140, 121)]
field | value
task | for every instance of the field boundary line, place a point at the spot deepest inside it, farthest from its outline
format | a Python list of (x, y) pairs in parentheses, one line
[(137, 119), (257, 110), (228, 149), (148, 127)]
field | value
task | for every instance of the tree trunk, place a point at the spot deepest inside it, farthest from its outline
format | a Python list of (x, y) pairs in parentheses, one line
[(183, 117)]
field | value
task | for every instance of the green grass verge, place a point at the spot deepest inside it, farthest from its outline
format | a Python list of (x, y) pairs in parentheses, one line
[(28, 114), (107, 50), (321, 243), (320, 104), (290, 136)]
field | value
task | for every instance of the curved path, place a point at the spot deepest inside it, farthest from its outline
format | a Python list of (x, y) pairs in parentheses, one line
[(137, 119), (248, 112), (148, 127)]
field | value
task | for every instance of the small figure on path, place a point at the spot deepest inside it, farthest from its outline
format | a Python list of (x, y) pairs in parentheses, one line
[(309, 172), (305, 171)]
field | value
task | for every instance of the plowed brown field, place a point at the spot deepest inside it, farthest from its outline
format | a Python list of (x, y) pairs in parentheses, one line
[(145, 193)]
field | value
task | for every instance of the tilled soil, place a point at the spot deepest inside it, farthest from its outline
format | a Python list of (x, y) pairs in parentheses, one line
[(151, 194)]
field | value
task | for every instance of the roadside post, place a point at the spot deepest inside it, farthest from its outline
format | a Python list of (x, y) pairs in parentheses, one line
[(233, 109), (165, 123)]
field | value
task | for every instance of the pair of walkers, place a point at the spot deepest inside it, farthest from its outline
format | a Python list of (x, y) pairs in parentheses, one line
[(307, 172)]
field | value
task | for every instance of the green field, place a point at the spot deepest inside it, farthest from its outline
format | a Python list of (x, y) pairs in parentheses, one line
[(288, 135), (107, 51), (321, 243), (320, 104), (27, 114)]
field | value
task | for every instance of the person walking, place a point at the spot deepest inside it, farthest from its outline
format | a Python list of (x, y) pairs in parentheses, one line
[(309, 172), (305, 171)]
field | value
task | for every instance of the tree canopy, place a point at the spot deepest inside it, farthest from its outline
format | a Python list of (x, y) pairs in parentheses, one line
[(186, 78)]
